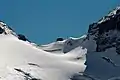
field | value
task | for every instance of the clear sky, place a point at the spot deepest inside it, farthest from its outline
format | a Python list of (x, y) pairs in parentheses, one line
[(42, 21)]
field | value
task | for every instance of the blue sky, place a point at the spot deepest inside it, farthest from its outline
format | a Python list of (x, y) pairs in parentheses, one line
[(42, 21)]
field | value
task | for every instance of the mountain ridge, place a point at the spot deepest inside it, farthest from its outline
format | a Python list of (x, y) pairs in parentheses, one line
[(78, 58)]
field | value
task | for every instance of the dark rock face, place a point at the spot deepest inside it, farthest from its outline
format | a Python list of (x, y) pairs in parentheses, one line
[(22, 37), (1, 30), (111, 24), (101, 29), (59, 39)]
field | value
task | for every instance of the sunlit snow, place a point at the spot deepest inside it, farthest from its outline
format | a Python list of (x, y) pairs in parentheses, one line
[(17, 55)]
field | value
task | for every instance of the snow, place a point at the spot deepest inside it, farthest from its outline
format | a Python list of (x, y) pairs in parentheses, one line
[(63, 46), (15, 56), (55, 47), (60, 60), (7, 29), (99, 68), (112, 14)]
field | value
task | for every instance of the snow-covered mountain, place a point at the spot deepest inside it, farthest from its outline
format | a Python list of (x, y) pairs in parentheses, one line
[(103, 61), (103, 47), (93, 56), (21, 59)]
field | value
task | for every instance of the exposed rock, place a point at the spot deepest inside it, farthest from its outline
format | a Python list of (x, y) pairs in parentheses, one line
[(59, 39), (106, 31), (22, 37)]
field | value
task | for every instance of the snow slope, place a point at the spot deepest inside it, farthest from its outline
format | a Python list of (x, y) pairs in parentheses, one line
[(103, 48), (19, 58)]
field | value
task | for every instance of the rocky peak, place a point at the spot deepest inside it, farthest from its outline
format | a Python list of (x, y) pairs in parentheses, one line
[(4, 29), (106, 31), (106, 23)]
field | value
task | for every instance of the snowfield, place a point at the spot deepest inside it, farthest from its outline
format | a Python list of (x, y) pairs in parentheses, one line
[(20, 60)]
